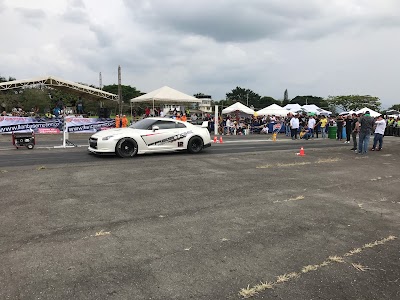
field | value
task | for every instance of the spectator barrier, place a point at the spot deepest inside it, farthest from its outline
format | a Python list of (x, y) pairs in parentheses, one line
[(54, 125)]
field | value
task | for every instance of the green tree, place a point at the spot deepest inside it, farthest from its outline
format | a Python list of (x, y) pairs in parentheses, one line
[(395, 107), (286, 96), (128, 92), (304, 100), (199, 95), (4, 79), (267, 101), (245, 96), (35, 97), (355, 102), (66, 96)]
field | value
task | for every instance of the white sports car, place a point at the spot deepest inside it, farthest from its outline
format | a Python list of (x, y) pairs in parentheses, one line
[(151, 135)]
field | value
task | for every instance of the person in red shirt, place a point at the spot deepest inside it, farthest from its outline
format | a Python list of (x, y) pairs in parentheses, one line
[(147, 112)]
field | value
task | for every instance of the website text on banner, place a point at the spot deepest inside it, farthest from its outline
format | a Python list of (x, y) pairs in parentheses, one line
[(88, 124), (54, 125)]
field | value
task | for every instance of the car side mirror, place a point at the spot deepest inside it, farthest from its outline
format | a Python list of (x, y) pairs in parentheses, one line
[(155, 128)]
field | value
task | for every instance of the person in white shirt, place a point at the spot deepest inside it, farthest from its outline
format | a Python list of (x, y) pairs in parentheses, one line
[(311, 125), (264, 129), (379, 132), (228, 126), (294, 126)]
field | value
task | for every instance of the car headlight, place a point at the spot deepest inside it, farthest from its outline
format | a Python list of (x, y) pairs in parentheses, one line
[(106, 138)]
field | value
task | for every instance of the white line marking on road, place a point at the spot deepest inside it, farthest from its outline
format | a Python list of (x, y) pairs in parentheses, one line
[(43, 147)]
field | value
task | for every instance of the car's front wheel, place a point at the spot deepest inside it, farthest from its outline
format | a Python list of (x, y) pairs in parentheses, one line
[(126, 147), (195, 145)]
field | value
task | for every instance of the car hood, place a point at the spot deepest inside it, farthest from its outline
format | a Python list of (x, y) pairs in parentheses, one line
[(115, 131)]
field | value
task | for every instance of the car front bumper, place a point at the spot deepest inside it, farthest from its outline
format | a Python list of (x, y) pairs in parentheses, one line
[(100, 146)]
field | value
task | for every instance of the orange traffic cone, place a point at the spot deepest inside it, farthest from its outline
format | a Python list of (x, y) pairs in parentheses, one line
[(220, 140), (215, 139), (274, 137), (301, 152)]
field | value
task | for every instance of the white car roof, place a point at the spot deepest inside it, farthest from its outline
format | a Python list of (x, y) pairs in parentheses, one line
[(165, 119)]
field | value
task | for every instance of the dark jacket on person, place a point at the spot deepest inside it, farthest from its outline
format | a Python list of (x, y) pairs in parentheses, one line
[(339, 122), (366, 124), (349, 125)]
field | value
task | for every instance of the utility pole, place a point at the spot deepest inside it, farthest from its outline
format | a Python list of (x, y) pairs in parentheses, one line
[(100, 82), (101, 88), (119, 90), (247, 97)]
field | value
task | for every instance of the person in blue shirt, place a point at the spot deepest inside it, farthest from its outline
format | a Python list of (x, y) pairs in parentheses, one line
[(56, 111)]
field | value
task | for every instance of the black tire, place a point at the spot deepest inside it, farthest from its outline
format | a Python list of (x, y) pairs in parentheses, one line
[(30, 146), (195, 145), (126, 147)]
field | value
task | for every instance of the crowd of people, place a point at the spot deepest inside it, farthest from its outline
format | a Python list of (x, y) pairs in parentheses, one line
[(301, 126), (294, 125), (20, 112), (56, 111)]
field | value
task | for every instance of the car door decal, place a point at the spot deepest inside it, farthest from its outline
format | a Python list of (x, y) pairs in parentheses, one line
[(171, 139), (149, 134)]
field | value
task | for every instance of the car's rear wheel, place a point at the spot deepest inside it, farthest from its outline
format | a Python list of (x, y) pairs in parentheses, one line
[(195, 145), (126, 147)]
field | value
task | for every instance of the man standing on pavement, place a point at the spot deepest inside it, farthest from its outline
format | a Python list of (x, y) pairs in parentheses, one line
[(366, 125), (349, 128), (379, 132), (390, 126), (294, 126), (311, 125), (323, 123), (355, 127), (339, 124), (287, 124)]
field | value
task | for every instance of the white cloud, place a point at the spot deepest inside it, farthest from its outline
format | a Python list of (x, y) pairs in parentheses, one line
[(307, 46), (31, 16)]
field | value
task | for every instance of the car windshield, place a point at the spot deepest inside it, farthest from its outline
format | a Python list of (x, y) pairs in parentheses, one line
[(143, 124)]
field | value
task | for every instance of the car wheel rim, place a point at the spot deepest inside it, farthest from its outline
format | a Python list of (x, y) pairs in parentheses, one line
[(195, 146), (127, 148)]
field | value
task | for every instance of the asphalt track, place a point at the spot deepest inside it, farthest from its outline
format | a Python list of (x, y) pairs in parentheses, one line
[(210, 226), (10, 157)]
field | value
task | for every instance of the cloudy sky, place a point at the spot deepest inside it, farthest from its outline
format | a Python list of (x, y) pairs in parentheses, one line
[(315, 47)]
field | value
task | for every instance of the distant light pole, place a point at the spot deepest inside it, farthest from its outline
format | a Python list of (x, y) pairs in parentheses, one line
[(120, 90), (247, 97)]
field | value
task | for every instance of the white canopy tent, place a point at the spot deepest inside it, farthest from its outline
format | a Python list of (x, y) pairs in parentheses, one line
[(293, 108), (166, 95), (350, 112), (365, 109), (273, 109), (312, 108), (238, 107)]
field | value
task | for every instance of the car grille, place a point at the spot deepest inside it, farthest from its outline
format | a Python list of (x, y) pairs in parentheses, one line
[(93, 143)]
